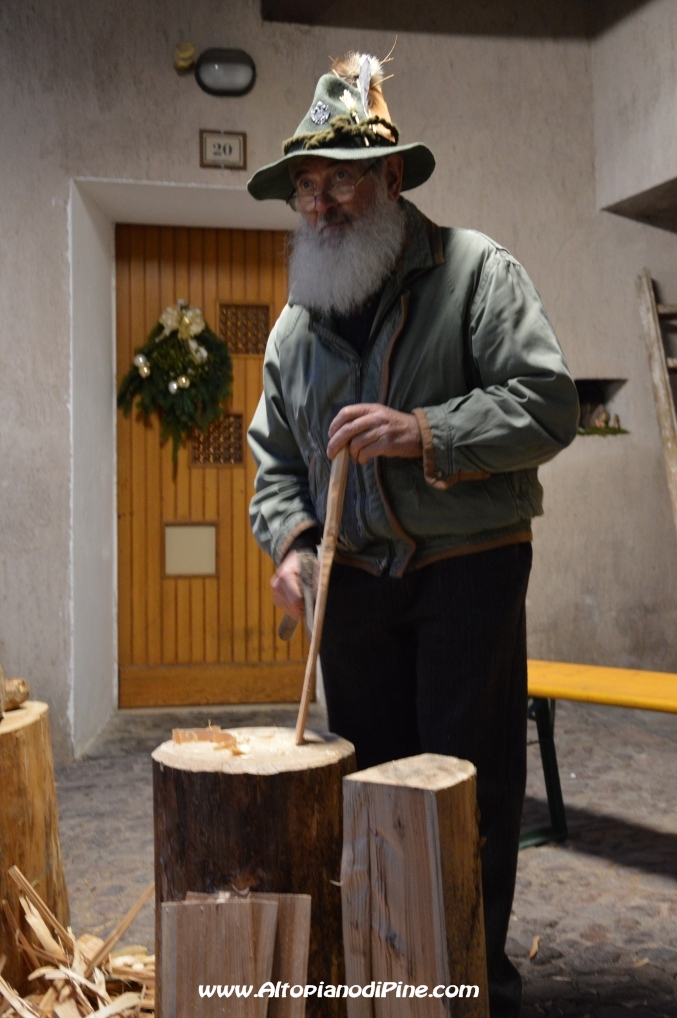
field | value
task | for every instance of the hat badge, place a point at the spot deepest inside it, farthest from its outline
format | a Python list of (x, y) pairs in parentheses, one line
[(320, 113)]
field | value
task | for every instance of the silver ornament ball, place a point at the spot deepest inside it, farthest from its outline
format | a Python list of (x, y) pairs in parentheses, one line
[(173, 387)]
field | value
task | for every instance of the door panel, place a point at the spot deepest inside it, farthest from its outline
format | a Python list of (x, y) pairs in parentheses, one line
[(198, 639)]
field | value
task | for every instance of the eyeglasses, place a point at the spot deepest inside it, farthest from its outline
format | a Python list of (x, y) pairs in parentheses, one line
[(341, 191)]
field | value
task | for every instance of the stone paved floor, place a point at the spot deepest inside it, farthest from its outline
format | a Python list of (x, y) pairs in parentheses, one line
[(604, 904)]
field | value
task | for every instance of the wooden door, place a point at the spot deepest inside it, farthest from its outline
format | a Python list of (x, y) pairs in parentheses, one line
[(197, 625)]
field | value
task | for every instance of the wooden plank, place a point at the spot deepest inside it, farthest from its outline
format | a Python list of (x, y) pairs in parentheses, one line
[(225, 477), (169, 596), (267, 626), (197, 620), (665, 405), (226, 555), (617, 687), (196, 478), (255, 595), (124, 441), (292, 942), (138, 472), (223, 943), (176, 685), (153, 480), (667, 310), (240, 525), (211, 480), (184, 630), (411, 885)]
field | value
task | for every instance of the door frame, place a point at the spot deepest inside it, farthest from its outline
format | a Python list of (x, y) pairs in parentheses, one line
[(95, 206)]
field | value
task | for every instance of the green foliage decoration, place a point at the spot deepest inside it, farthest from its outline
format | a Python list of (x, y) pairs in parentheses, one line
[(183, 372)]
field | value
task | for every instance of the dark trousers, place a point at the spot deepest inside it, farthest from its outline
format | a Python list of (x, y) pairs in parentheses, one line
[(435, 662)]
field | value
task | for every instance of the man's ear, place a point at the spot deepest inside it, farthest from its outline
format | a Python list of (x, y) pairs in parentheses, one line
[(393, 176)]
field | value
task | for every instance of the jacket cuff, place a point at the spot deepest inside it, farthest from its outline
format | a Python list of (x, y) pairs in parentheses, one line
[(436, 453), (295, 527)]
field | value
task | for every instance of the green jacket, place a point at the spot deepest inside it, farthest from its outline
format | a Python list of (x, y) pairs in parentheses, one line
[(462, 340)]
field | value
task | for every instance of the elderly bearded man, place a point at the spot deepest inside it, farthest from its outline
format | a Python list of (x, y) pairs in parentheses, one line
[(428, 351)]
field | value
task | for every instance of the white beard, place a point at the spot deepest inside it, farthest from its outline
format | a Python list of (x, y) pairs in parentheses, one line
[(337, 270)]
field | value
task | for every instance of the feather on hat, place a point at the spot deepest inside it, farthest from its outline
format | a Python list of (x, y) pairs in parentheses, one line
[(348, 115), (365, 72)]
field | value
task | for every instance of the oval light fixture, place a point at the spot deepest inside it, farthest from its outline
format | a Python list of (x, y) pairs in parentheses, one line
[(225, 72)]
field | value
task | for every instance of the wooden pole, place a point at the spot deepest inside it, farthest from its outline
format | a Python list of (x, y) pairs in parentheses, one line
[(29, 832), (267, 818), (411, 887), (665, 404), (332, 526)]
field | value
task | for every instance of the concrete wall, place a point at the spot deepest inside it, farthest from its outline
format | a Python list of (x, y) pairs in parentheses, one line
[(635, 93), (89, 91), (93, 530)]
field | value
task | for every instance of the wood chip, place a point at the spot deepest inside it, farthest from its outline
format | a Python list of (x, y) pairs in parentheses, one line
[(48, 917), (123, 1003), (23, 1009), (119, 930), (39, 927), (641, 964), (67, 1009), (534, 946), (211, 734), (78, 985)]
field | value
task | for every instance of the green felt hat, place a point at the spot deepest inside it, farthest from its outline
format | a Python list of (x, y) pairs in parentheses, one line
[(337, 126)]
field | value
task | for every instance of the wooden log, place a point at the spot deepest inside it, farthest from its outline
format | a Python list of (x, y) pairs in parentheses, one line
[(216, 943), (17, 692), (411, 887), (29, 833), (269, 819)]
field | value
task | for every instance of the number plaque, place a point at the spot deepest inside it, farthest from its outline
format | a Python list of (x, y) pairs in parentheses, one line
[(223, 150)]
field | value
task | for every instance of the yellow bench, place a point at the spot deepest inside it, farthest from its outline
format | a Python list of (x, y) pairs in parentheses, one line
[(550, 681)]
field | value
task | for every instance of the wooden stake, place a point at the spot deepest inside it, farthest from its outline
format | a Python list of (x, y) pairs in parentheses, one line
[(665, 404), (332, 525)]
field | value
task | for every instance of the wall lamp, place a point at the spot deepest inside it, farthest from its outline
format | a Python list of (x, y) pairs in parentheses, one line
[(217, 71)]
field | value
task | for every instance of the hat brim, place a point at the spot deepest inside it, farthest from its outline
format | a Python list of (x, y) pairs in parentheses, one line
[(274, 181)]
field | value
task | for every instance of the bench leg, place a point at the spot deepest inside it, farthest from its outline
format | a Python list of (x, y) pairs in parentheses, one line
[(543, 712)]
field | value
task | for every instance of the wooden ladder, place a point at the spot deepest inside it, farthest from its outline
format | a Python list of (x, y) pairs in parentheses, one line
[(651, 313)]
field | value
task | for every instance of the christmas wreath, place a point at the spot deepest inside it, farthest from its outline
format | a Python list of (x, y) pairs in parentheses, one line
[(183, 373)]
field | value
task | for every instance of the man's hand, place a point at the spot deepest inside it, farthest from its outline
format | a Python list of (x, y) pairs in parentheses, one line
[(371, 429), (287, 587)]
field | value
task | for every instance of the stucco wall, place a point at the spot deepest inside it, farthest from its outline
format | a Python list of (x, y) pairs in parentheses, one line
[(89, 90), (635, 91)]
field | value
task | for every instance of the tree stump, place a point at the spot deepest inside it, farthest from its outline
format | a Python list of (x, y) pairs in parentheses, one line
[(411, 884), (268, 820), (29, 831)]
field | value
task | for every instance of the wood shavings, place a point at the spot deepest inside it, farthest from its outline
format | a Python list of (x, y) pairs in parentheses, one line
[(534, 947), (83, 976)]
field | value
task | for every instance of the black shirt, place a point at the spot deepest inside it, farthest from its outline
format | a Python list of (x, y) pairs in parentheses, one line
[(355, 328)]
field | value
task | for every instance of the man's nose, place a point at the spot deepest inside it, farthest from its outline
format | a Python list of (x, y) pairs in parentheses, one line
[(324, 200)]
